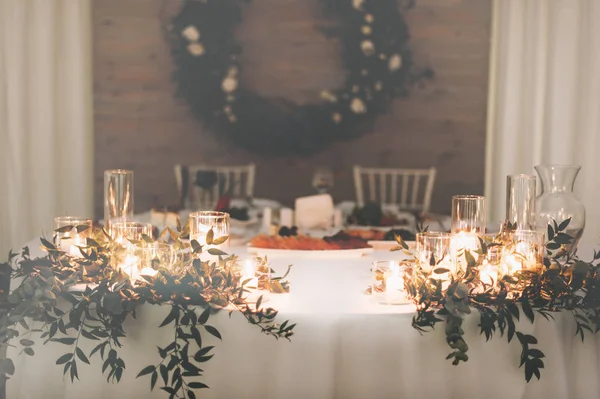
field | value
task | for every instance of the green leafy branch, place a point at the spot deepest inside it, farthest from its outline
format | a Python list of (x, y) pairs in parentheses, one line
[(565, 284), (45, 296)]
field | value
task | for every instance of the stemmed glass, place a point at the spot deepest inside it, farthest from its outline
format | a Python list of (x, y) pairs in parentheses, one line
[(323, 180)]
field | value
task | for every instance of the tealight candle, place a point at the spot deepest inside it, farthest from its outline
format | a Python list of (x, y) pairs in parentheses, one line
[(388, 282), (257, 274), (202, 222), (148, 271), (74, 250), (462, 242), (250, 273), (71, 231), (394, 286), (131, 267), (526, 251), (488, 274)]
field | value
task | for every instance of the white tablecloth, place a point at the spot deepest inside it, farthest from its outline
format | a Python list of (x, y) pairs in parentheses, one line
[(344, 347)]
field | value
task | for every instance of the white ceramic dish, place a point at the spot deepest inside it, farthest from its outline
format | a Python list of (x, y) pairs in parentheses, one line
[(311, 254)]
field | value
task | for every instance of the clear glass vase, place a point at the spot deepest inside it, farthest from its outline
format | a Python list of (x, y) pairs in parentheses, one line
[(558, 202)]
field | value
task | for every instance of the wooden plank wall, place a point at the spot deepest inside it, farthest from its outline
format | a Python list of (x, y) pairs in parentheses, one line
[(140, 125)]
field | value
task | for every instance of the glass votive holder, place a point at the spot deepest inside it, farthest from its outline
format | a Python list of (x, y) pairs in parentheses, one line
[(127, 260), (388, 282), (154, 257), (125, 232), (468, 214), (488, 276), (433, 252), (202, 222), (118, 196), (463, 244), (71, 232), (525, 253), (256, 274)]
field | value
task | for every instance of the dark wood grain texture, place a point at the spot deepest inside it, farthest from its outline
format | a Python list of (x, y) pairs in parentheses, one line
[(140, 125)]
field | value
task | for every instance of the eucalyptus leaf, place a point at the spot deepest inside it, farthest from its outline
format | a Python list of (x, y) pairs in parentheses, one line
[(210, 235)]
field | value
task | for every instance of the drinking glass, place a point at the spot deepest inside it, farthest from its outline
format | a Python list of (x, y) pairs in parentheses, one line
[(118, 196), (323, 180)]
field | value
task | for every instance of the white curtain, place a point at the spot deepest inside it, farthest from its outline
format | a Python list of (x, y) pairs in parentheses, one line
[(46, 153), (544, 102)]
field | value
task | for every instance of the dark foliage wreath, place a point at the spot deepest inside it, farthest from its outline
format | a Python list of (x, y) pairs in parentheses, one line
[(207, 72)]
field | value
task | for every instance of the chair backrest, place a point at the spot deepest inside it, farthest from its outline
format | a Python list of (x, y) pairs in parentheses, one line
[(409, 189), (236, 181)]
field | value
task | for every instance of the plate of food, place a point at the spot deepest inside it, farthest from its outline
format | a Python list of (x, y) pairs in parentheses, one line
[(373, 216), (340, 245)]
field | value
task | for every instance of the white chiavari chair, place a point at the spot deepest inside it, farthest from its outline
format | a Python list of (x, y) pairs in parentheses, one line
[(407, 189), (237, 181)]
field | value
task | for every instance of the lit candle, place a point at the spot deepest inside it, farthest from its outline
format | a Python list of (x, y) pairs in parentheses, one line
[(65, 244), (69, 246), (394, 285), (74, 250), (250, 273), (465, 241), (148, 271), (512, 264), (131, 267), (488, 274), (460, 243)]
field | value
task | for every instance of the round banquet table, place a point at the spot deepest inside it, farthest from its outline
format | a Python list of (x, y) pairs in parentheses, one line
[(344, 347)]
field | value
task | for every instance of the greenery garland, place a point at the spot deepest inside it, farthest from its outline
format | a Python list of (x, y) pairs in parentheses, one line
[(208, 73), (565, 283), (45, 305)]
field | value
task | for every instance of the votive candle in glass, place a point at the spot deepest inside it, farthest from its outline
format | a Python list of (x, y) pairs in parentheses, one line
[(118, 196), (520, 201), (525, 253), (130, 264), (433, 252), (256, 272), (155, 256), (388, 282), (69, 239), (125, 232), (202, 222)]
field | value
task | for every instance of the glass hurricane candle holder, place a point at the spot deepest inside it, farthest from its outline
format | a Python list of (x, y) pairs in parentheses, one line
[(526, 252), (256, 274), (127, 261), (520, 201), (71, 233), (118, 196), (468, 214), (202, 222), (433, 253), (155, 256), (125, 232), (388, 282)]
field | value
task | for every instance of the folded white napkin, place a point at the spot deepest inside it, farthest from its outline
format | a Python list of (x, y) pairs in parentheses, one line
[(314, 212)]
